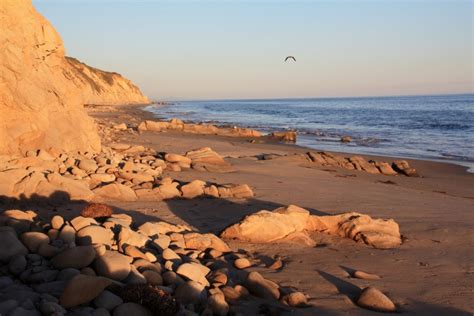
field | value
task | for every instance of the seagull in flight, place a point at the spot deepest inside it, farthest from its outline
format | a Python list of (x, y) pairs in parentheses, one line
[(290, 57)]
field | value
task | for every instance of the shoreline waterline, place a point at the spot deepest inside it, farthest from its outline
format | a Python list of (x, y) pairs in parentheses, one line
[(433, 128)]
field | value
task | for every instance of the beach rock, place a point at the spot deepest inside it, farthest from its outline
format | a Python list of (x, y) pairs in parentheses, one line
[(403, 167), (8, 306), (51, 308), (241, 191), (17, 265), (121, 127), (48, 251), (204, 242), (67, 234), (76, 257), (261, 287), (67, 274), (57, 222), (95, 210), (153, 126), (161, 228), (291, 224), (295, 299), (385, 168), (169, 254), (74, 189), (266, 226), (276, 265), (153, 277), (191, 293), (130, 237), (128, 309), (11, 246), (99, 178), (361, 164), (174, 158), (33, 240), (161, 243), (116, 192), (346, 139), (80, 222), (193, 189), (113, 265), (88, 165), (372, 298), (169, 191), (218, 305), (82, 289), (107, 300), (134, 252), (378, 233), (94, 235), (194, 272), (242, 263), (289, 136), (365, 276)]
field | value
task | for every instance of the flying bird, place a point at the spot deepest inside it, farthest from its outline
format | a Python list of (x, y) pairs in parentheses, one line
[(290, 57)]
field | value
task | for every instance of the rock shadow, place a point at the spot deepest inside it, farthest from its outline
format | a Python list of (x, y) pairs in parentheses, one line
[(350, 290), (214, 215)]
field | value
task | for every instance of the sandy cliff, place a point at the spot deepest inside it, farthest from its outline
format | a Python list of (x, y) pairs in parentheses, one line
[(39, 106), (100, 87), (42, 92)]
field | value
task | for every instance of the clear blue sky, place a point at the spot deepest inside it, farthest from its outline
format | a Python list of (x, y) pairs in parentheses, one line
[(235, 49)]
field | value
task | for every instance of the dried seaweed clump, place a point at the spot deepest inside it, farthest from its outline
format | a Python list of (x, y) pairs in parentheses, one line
[(96, 210), (156, 300)]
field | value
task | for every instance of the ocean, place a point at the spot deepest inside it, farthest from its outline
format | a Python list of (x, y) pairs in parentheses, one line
[(436, 127)]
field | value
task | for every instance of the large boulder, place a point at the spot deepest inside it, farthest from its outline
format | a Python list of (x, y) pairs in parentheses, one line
[(378, 233), (292, 224), (82, 289), (265, 226)]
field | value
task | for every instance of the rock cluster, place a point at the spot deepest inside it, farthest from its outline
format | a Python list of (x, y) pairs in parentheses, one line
[(289, 136), (359, 163), (323, 159), (203, 159), (105, 267), (127, 173), (203, 129), (293, 224)]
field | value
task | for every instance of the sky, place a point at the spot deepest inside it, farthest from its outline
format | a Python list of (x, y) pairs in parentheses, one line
[(181, 50)]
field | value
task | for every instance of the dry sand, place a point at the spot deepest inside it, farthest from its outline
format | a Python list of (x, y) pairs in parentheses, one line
[(430, 274)]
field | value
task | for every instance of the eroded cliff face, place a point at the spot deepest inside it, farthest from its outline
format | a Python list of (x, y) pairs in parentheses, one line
[(100, 87), (40, 107), (42, 92)]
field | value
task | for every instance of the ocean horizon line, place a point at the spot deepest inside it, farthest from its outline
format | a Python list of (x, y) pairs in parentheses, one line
[(157, 100)]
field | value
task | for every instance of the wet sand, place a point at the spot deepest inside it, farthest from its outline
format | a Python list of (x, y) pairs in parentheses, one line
[(431, 273)]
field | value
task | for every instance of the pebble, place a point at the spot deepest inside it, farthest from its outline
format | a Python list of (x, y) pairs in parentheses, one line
[(107, 300), (365, 276), (242, 263), (374, 299), (129, 309)]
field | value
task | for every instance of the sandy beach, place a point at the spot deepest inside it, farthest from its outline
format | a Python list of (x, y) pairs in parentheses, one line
[(429, 274), (115, 204)]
